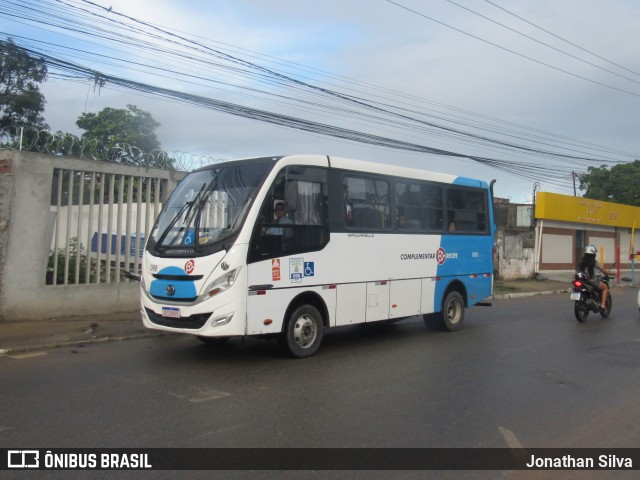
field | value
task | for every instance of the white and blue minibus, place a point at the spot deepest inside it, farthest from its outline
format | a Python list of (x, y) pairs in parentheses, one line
[(290, 246)]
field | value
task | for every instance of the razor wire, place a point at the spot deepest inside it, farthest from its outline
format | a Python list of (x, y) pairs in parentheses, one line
[(60, 144)]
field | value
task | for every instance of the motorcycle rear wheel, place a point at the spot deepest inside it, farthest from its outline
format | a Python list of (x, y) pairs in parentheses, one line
[(581, 311)]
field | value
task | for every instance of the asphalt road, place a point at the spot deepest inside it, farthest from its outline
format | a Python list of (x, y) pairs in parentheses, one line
[(523, 373)]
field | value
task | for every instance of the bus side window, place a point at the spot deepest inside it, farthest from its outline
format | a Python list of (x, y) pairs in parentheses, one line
[(293, 217), (421, 205), (466, 210), (369, 201)]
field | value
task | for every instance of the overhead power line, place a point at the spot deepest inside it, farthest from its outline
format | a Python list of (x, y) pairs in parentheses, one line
[(542, 43), (528, 171), (562, 39), (178, 57), (501, 47), (303, 87)]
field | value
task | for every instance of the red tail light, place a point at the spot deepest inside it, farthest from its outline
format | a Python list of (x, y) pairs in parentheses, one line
[(577, 283)]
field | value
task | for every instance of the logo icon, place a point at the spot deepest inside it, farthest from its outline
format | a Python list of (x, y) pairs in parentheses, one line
[(441, 256), (23, 459), (190, 266), (171, 290)]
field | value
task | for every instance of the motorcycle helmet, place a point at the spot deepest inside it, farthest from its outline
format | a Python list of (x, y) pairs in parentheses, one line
[(590, 250), (581, 276)]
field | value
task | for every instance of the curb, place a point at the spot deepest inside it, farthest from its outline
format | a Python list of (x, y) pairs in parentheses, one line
[(506, 296), (5, 352)]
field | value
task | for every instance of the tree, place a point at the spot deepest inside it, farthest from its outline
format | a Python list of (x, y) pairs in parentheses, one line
[(618, 185), (127, 135), (21, 103)]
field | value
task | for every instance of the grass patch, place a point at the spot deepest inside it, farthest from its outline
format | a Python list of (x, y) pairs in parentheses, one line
[(499, 286)]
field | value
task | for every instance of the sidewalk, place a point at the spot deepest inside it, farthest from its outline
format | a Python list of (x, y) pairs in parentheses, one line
[(526, 288), (27, 336)]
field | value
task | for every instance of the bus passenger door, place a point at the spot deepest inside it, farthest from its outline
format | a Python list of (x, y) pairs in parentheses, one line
[(377, 301)]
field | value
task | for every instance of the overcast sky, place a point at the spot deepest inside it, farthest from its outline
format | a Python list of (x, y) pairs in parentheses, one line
[(377, 50)]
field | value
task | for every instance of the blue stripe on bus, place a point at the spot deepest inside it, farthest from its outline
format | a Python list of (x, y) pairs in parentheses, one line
[(183, 289)]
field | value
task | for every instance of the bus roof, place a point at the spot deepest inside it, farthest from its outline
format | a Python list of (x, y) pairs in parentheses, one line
[(363, 166)]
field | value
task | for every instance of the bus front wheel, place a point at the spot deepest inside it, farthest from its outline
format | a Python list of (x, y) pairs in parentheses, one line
[(303, 332), (451, 316)]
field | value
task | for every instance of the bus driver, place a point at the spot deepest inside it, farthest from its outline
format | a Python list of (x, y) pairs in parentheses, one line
[(281, 219)]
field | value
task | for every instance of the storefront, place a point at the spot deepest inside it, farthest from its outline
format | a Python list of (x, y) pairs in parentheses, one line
[(565, 224)]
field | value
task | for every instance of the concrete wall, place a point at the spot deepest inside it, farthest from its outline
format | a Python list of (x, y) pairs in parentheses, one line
[(26, 223), (6, 198), (513, 258)]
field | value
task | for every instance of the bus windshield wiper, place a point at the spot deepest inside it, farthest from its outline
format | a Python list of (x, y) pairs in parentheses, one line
[(178, 215), (196, 222)]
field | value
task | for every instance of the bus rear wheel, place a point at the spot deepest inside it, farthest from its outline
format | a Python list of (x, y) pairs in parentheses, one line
[(452, 314), (303, 332)]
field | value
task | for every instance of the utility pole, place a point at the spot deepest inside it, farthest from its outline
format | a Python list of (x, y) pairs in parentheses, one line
[(573, 176), (536, 187)]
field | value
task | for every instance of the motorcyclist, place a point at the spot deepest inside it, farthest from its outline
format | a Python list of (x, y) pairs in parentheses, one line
[(594, 271)]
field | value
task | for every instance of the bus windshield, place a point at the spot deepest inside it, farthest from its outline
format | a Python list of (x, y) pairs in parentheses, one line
[(208, 206)]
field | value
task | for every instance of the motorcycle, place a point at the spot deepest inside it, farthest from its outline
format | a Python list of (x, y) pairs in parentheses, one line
[(587, 298)]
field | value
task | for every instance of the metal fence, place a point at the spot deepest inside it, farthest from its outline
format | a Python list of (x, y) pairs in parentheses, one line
[(102, 219), (69, 229), (101, 223)]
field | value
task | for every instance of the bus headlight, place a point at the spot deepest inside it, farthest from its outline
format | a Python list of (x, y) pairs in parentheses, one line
[(221, 320), (222, 283)]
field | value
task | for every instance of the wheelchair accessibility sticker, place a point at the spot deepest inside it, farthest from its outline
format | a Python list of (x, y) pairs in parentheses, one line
[(298, 269), (189, 237)]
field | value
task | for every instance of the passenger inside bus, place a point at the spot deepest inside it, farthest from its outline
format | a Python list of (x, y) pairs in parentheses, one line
[(280, 218), (452, 220), (349, 215)]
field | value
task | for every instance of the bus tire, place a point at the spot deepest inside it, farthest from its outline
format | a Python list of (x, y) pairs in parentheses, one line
[(452, 311), (303, 332), (452, 314)]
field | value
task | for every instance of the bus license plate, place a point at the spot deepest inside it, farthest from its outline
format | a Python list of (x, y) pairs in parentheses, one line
[(575, 295), (170, 312)]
